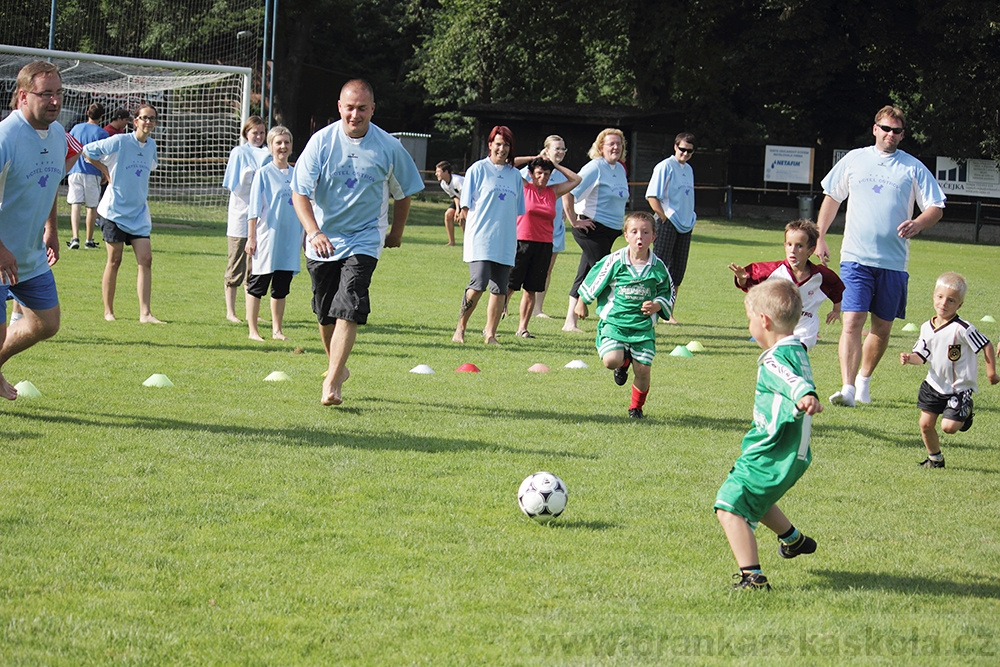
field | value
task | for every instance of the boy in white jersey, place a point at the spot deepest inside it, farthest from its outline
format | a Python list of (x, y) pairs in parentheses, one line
[(816, 283), (630, 286), (950, 345), (775, 452)]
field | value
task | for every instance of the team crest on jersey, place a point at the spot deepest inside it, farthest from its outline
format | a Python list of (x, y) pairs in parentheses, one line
[(954, 352)]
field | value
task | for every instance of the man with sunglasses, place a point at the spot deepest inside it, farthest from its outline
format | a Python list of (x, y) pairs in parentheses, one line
[(670, 194), (32, 162), (883, 183)]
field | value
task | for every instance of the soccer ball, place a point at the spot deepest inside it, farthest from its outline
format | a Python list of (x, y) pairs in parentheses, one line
[(542, 496)]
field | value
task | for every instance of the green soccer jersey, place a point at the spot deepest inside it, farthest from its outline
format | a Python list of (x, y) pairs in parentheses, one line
[(776, 450), (620, 288)]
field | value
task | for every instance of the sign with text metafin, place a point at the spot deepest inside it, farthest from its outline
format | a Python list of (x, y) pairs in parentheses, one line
[(788, 164), (971, 178)]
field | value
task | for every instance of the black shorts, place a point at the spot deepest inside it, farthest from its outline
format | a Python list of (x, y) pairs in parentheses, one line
[(340, 288), (672, 247), (956, 407), (113, 233), (489, 275), (531, 266), (280, 283)]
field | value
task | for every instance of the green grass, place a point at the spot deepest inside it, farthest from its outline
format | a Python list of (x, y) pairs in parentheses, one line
[(230, 520)]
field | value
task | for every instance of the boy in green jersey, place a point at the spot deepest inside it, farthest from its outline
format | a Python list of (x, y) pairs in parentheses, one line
[(630, 286), (776, 450)]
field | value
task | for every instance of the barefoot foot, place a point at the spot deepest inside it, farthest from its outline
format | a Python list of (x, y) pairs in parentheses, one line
[(149, 319), (256, 336), (110, 317), (332, 393), (277, 335), (233, 319), (459, 336), (572, 329), (7, 390)]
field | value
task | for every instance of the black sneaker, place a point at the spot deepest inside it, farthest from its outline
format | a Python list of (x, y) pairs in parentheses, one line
[(73, 243), (621, 374), (636, 413), (751, 581), (968, 422), (91, 244), (931, 463), (803, 545)]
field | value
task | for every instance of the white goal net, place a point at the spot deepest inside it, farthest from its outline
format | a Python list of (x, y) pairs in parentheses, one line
[(201, 110)]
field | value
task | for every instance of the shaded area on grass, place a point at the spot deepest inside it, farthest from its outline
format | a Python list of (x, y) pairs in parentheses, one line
[(980, 587)]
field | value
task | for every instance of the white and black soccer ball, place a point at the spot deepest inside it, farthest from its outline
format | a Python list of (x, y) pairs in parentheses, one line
[(542, 496)]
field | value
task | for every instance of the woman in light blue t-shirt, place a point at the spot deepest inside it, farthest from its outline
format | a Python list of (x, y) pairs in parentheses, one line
[(126, 161)]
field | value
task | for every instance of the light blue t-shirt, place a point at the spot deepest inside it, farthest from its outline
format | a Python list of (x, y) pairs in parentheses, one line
[(244, 161), (349, 182), (882, 188), (603, 193), (558, 225), (31, 167), (278, 230), (673, 184), (86, 133), (129, 164), (494, 195)]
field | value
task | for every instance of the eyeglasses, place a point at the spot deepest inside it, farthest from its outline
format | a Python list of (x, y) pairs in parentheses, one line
[(147, 119), (49, 94), (685, 150), (886, 128)]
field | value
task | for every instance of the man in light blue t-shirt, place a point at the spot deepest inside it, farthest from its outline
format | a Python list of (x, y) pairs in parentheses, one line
[(883, 184), (340, 190), (32, 162)]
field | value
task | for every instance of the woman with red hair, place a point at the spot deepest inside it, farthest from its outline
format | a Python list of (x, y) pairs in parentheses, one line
[(491, 200)]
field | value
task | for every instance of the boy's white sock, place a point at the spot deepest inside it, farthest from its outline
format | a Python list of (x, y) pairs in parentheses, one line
[(863, 394)]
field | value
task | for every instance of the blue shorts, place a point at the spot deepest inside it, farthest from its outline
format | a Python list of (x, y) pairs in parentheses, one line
[(38, 293), (881, 292)]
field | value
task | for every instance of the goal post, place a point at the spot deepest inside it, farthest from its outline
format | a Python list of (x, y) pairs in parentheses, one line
[(201, 107)]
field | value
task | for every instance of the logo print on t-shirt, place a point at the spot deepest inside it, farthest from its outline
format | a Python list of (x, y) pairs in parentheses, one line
[(502, 196), (351, 182), (138, 173), (43, 181), (954, 352), (877, 189)]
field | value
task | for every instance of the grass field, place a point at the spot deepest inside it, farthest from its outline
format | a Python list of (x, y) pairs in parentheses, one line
[(230, 520)]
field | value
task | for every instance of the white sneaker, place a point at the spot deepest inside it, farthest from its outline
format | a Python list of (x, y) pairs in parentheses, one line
[(840, 398)]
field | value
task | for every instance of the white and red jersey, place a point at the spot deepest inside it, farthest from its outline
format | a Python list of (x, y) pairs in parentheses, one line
[(822, 284)]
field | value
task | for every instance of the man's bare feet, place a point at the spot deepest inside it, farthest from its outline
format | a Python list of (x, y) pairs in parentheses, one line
[(541, 316), (256, 336), (672, 320), (332, 390), (110, 317), (7, 390), (448, 244), (149, 319), (459, 336), (572, 329), (277, 335), (233, 319), (491, 340)]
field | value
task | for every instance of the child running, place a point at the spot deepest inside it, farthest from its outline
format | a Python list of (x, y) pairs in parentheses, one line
[(775, 452), (630, 286), (949, 344), (816, 283)]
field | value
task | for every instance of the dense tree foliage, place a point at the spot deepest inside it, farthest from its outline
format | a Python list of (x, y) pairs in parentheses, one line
[(803, 72)]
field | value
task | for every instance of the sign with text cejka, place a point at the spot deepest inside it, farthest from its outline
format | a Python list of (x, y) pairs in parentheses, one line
[(971, 178), (788, 164)]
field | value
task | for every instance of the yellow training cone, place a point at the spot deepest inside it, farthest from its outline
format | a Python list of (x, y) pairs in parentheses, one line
[(158, 380), (27, 390)]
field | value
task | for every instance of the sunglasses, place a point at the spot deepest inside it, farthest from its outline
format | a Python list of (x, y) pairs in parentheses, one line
[(685, 150), (886, 128)]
